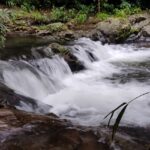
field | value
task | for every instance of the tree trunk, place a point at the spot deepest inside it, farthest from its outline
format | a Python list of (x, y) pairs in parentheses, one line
[(98, 6)]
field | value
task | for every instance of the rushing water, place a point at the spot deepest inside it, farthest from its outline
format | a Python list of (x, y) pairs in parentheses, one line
[(113, 74)]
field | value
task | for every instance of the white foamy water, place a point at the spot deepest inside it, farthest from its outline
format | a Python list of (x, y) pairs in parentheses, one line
[(87, 96)]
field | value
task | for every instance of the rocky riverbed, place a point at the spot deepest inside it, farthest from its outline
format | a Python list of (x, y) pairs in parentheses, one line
[(20, 130)]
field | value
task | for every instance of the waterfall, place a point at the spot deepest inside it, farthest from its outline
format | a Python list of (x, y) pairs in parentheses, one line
[(113, 74)]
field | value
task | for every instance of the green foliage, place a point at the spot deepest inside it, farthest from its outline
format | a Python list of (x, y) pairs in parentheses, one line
[(126, 9), (59, 14), (56, 27), (108, 7), (39, 17), (121, 113), (102, 16), (81, 18), (86, 9), (4, 18), (2, 34)]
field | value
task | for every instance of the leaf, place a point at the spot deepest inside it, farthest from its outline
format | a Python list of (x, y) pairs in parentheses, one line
[(112, 112), (117, 122), (120, 115), (138, 97), (110, 119)]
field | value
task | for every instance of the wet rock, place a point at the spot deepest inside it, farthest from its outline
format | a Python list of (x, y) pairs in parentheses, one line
[(73, 62), (97, 36), (9, 98), (20, 130), (23, 131)]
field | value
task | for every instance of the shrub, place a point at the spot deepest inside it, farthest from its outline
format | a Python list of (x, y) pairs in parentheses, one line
[(58, 14), (80, 18), (4, 18), (102, 16), (62, 15)]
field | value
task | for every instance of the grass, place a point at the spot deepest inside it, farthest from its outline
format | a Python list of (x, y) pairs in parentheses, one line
[(35, 15), (123, 12), (80, 18), (102, 16)]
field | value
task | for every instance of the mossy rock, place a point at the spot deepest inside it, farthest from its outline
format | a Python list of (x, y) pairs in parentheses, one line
[(115, 29), (58, 49), (56, 27)]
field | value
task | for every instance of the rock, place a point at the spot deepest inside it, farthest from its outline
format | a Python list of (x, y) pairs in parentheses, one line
[(114, 29), (146, 31), (140, 25), (58, 49), (97, 36), (9, 98), (20, 130), (67, 35), (137, 18), (74, 64), (72, 61), (23, 131), (56, 27)]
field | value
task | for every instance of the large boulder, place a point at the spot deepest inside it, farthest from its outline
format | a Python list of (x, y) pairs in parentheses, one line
[(114, 29)]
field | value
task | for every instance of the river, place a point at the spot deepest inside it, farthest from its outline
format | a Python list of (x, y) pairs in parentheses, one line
[(113, 74)]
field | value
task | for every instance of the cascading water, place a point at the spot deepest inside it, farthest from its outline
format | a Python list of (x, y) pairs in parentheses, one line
[(113, 74)]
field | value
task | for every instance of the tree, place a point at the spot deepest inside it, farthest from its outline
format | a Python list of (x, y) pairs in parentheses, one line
[(98, 5)]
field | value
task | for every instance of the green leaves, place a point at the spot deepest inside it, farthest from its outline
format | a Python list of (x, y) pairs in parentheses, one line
[(120, 115), (117, 122), (112, 112), (4, 18)]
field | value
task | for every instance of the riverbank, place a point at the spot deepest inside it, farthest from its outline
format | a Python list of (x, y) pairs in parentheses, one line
[(54, 26)]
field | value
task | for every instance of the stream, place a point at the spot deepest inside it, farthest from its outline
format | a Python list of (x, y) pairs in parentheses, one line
[(113, 74)]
